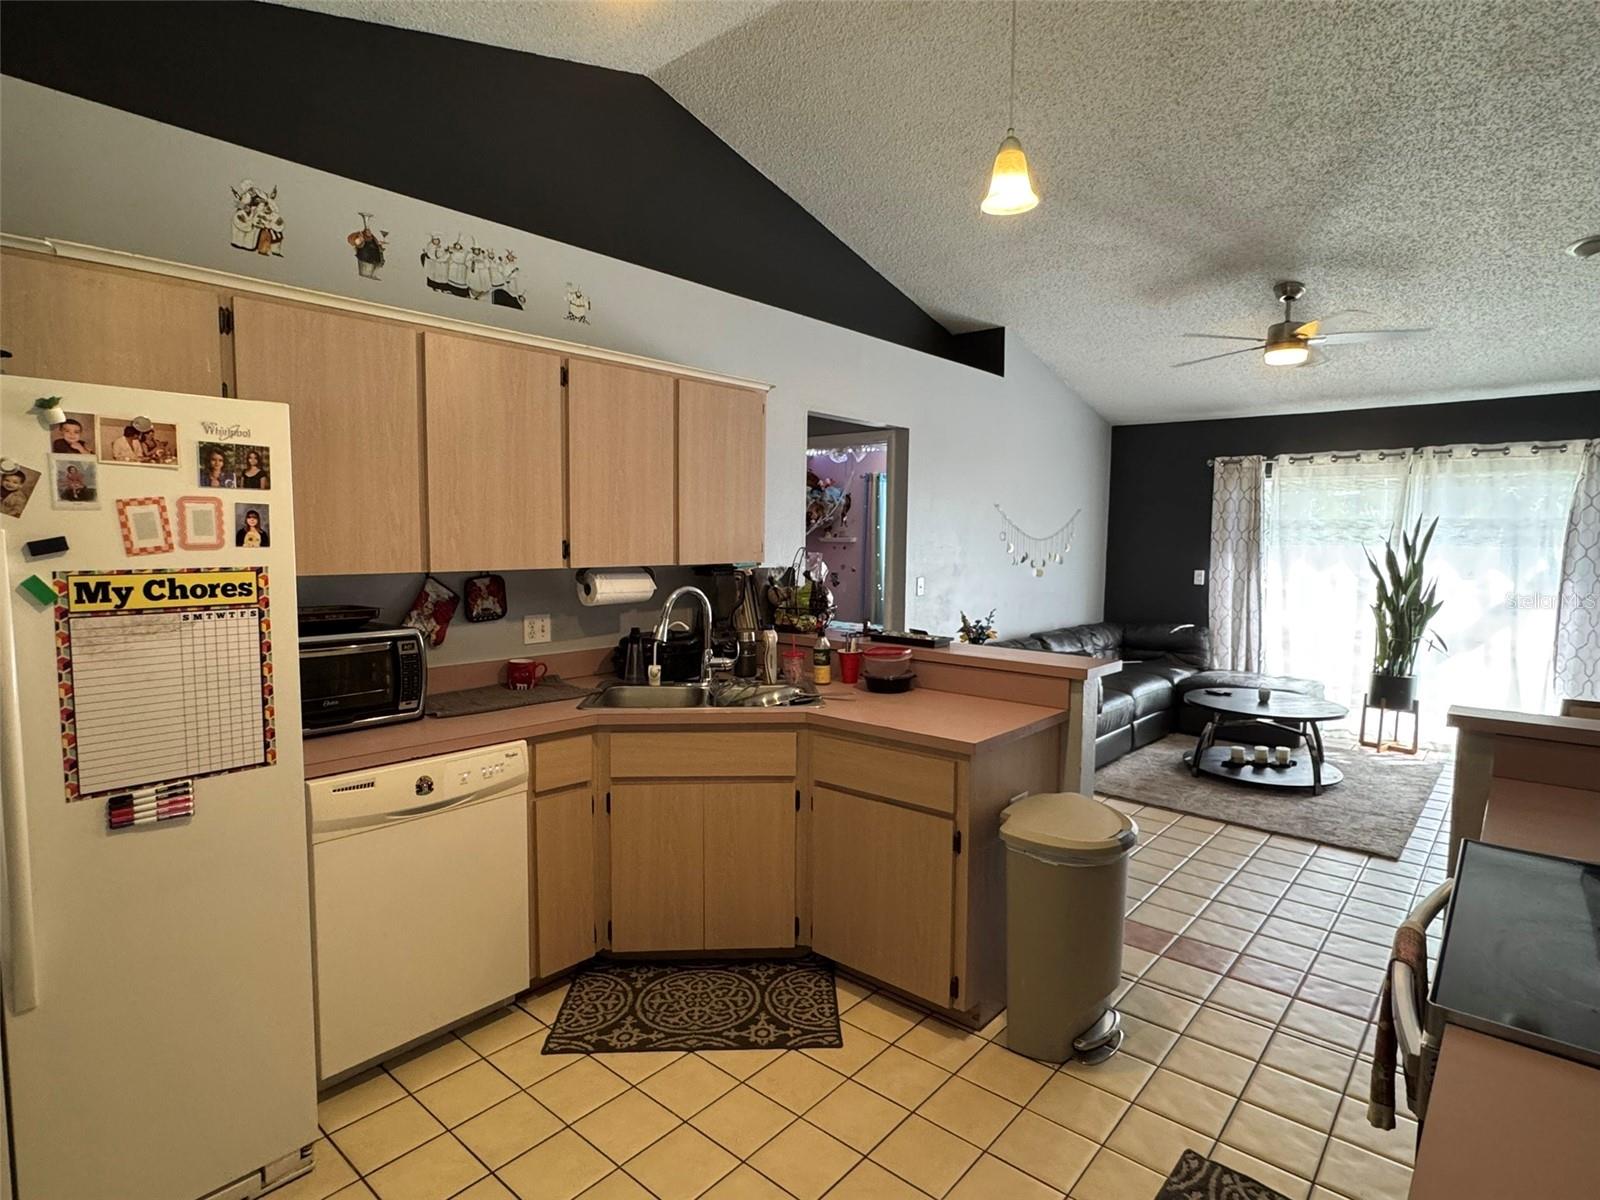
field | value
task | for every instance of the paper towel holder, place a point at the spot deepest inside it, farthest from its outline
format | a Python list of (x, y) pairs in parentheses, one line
[(590, 582)]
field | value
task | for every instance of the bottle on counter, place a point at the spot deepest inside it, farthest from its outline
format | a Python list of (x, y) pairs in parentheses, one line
[(769, 655), (822, 660), (746, 666)]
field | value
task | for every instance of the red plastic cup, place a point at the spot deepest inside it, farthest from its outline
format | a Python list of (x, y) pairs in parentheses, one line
[(849, 666)]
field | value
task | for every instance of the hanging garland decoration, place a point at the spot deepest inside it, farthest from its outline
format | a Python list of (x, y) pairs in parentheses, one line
[(1037, 553)]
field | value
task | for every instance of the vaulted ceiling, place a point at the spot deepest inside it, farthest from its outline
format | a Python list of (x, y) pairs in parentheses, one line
[(1424, 162)]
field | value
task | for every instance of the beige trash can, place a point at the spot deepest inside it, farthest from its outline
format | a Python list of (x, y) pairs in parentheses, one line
[(1066, 880)]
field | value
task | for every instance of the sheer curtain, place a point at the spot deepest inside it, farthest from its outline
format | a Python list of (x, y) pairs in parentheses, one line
[(1321, 511), (1577, 653), (1497, 554), (1234, 598)]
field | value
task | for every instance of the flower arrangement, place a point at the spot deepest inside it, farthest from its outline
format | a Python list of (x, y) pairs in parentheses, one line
[(978, 632)]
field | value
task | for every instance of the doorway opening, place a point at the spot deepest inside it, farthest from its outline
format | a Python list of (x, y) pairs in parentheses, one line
[(855, 516)]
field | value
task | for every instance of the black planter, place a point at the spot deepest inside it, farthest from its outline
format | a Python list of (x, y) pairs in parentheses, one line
[(1394, 692)]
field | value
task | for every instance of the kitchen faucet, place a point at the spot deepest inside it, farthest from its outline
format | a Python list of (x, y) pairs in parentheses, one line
[(708, 660)]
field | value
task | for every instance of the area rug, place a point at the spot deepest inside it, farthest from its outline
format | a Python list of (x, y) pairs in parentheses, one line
[(760, 1004), (1372, 811), (1196, 1177)]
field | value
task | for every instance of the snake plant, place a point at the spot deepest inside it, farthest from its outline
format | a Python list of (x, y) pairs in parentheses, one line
[(1404, 606)]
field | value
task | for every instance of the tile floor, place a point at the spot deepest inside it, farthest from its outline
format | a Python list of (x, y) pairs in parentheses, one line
[(1252, 967)]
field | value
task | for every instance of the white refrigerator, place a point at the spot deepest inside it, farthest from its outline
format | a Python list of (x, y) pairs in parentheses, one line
[(156, 935)]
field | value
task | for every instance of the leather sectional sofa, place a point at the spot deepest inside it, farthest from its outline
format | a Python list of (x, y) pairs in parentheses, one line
[(1143, 702)]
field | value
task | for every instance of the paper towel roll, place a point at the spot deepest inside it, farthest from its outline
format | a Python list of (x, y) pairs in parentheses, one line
[(615, 587)]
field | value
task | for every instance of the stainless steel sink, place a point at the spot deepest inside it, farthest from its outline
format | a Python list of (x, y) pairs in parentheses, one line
[(690, 695), (667, 695)]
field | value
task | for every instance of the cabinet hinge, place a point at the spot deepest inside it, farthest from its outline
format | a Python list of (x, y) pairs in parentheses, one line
[(957, 841), (955, 986), (591, 803), (224, 319), (608, 802), (563, 377), (566, 549), (797, 928), (608, 931), (797, 804), (594, 934)]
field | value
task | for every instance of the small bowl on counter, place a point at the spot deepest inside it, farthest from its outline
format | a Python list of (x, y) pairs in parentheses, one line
[(887, 669)]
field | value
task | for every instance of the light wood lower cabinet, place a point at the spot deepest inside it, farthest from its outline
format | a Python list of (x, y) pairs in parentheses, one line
[(702, 866), (657, 866), (882, 880), (564, 930), (749, 865)]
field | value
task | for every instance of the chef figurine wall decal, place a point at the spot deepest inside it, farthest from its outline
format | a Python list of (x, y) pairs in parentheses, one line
[(257, 223), (473, 272), (369, 247), (578, 305)]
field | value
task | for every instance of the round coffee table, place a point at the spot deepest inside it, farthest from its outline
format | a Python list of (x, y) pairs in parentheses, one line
[(1290, 712)]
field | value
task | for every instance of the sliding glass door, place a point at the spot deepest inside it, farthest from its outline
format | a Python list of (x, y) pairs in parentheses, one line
[(1496, 555)]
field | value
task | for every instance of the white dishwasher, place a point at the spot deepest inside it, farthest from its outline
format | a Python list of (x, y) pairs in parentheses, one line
[(419, 898)]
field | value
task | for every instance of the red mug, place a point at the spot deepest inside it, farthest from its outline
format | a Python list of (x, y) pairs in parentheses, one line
[(524, 674)]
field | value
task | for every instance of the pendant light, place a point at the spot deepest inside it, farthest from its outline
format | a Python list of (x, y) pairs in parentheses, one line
[(1010, 190)]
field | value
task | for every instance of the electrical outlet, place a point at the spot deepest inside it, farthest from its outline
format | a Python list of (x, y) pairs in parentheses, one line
[(535, 629), (922, 585), (1199, 579)]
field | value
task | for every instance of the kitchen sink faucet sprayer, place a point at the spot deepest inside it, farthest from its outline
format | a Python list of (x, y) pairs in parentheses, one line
[(708, 659)]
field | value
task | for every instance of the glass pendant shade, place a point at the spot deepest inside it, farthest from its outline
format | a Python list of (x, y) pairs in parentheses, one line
[(1010, 188)]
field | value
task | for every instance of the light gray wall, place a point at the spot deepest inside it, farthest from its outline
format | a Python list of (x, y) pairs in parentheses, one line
[(84, 172)]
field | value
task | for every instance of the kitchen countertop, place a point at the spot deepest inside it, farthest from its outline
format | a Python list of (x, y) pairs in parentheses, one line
[(934, 720)]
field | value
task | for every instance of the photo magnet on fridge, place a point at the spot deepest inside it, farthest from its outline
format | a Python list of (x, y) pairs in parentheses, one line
[(74, 482), (16, 487), (74, 434), (137, 442)]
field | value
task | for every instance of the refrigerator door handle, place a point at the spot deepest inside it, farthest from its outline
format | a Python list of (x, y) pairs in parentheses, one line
[(23, 967)]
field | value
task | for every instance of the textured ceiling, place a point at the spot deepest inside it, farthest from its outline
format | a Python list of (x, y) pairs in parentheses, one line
[(1426, 162), (628, 35)]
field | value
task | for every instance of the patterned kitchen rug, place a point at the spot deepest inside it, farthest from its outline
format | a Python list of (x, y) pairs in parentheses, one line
[(756, 1004), (1196, 1177)]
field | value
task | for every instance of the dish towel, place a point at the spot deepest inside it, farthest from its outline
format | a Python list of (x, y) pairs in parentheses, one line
[(1411, 948)]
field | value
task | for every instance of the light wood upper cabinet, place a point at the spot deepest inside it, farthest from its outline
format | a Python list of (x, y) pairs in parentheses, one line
[(657, 864), (355, 404), (722, 473), (563, 854), (883, 891), (621, 466), (494, 453), (92, 324), (749, 865)]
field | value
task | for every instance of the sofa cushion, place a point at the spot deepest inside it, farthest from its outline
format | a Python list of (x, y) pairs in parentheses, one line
[(1187, 644), (1116, 710), (1150, 690), (1027, 642), (1100, 640)]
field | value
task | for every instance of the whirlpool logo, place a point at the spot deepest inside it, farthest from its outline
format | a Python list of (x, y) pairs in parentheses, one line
[(424, 785)]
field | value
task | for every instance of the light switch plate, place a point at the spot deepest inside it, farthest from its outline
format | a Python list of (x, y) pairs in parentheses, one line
[(535, 629), (1199, 579), (922, 585)]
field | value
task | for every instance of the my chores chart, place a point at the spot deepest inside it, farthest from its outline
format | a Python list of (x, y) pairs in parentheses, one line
[(162, 675)]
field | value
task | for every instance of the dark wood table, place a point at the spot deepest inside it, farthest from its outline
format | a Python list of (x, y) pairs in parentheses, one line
[(1289, 712)]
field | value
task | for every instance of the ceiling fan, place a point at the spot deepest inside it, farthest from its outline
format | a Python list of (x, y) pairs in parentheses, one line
[(1289, 342)]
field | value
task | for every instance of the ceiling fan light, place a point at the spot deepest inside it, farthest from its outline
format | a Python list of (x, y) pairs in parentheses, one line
[(1290, 353), (1010, 188)]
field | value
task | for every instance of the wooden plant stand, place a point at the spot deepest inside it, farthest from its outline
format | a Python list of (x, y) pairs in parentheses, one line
[(1379, 742)]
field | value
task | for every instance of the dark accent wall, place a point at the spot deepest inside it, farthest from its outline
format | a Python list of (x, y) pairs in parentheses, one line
[(602, 159), (1159, 526)]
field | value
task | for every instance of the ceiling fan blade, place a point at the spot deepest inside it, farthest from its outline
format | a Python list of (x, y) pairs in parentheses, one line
[(1226, 337), (1224, 354), (1363, 335), (1311, 328)]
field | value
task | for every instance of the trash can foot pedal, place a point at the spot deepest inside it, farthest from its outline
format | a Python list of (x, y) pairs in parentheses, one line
[(1101, 1040)]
